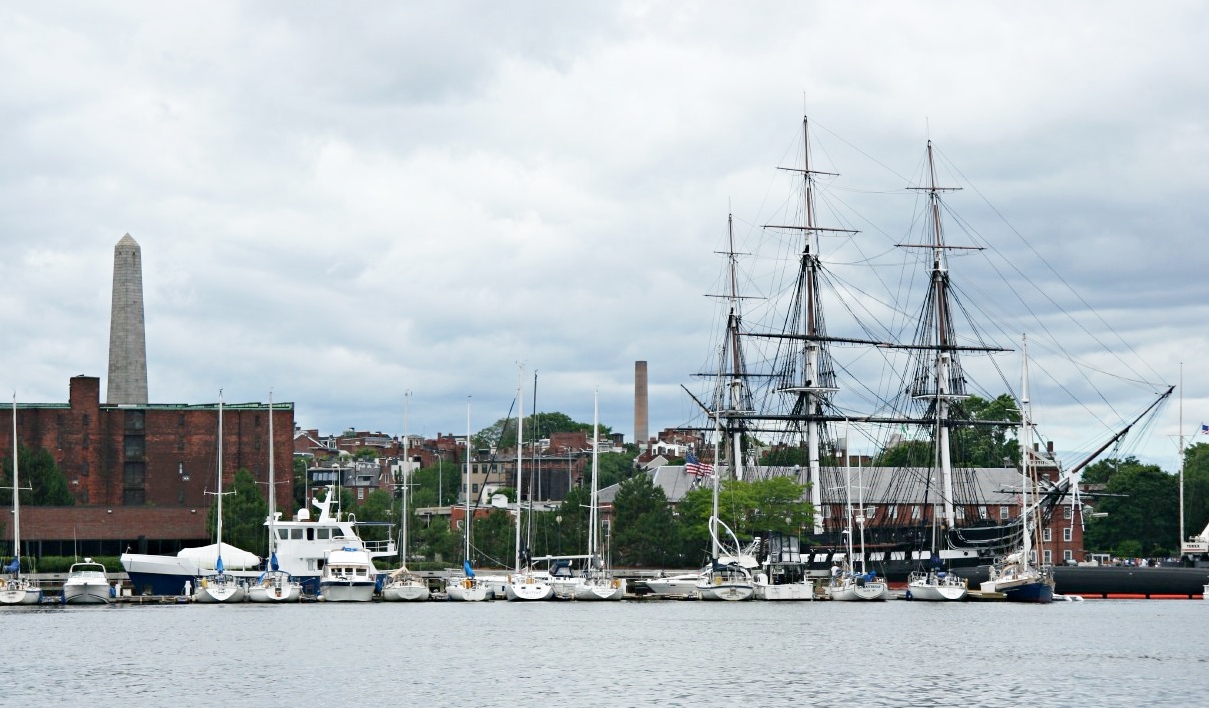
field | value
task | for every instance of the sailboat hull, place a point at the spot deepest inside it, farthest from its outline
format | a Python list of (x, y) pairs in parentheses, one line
[(214, 591), (599, 589), (727, 592), (467, 590), (851, 592), (527, 588), (785, 592), (20, 594), (405, 593), (275, 589)]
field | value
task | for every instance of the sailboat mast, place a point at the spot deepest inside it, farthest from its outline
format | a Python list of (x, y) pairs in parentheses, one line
[(1026, 461), (466, 530), (16, 492), (595, 462), (406, 470), (714, 549), (1183, 538), (520, 421), (848, 490), (809, 258), (272, 487), (218, 526)]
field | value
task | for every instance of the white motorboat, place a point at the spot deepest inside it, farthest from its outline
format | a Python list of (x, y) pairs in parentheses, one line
[(783, 575), (348, 576), (682, 585), (87, 584), (275, 585), (17, 589)]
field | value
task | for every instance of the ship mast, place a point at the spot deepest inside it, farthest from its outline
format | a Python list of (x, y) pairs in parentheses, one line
[(732, 398)]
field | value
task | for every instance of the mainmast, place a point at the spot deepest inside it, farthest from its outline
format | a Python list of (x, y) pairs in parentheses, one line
[(938, 379), (732, 398)]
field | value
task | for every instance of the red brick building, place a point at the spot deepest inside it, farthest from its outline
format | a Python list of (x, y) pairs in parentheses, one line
[(140, 473)]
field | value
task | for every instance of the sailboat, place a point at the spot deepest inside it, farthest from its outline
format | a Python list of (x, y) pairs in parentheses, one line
[(525, 583), (596, 582), (275, 585), (17, 589), (219, 587), (401, 584), (849, 583), (793, 400), (1016, 575), (467, 587), (727, 579)]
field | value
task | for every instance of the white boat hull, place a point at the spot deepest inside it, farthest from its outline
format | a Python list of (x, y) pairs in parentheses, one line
[(405, 593), (20, 592), (788, 591), (527, 588), (467, 590), (224, 591), (936, 593), (675, 586), (275, 590), (346, 591), (86, 593), (728, 592), (599, 589), (870, 591)]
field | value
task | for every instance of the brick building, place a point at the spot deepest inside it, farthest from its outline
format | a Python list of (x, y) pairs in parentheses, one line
[(140, 473)]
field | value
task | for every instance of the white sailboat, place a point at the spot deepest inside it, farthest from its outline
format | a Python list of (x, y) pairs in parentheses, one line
[(219, 587), (275, 585), (402, 585), (467, 587), (850, 584), (596, 582), (1016, 575), (17, 589), (729, 580), (524, 584)]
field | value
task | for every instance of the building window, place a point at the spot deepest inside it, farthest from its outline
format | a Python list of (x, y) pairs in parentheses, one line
[(180, 419), (132, 497), (892, 512), (1047, 535), (1068, 512), (982, 512), (1005, 512), (1068, 555), (1048, 557), (180, 443), (960, 512), (134, 474), (1066, 534), (915, 513)]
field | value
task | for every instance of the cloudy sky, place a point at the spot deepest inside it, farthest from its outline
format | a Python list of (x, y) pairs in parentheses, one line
[(344, 202)]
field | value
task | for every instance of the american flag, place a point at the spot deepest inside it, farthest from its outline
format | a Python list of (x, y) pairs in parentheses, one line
[(696, 468), (1204, 429)]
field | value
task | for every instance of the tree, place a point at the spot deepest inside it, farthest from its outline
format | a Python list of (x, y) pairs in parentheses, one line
[(749, 508), (42, 483), (614, 467), (244, 513), (300, 485), (1142, 508), (985, 445), (1196, 488), (493, 542), (379, 508), (645, 532)]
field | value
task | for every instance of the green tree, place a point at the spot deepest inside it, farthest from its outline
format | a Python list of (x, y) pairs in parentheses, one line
[(985, 445), (1141, 503), (1196, 488), (379, 509), (300, 486), (615, 467), (645, 532), (244, 513), (494, 542), (42, 483), (749, 508)]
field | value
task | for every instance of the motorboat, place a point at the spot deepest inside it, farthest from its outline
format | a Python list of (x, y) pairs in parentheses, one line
[(348, 576), (87, 584)]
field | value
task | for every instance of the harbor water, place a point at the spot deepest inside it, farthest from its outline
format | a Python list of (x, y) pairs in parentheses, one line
[(667, 653)]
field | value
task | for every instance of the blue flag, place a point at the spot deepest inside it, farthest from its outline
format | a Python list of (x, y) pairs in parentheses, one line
[(466, 567)]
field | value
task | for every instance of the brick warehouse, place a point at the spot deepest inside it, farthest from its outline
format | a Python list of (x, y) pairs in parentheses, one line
[(140, 472)]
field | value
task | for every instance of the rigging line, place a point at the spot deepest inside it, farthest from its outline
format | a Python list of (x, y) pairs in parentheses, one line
[(816, 124), (1023, 240), (1041, 344)]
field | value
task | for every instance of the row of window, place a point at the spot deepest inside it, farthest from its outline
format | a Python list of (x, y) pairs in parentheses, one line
[(1047, 536), (322, 533)]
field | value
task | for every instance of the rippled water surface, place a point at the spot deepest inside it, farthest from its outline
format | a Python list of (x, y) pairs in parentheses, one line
[(1112, 652)]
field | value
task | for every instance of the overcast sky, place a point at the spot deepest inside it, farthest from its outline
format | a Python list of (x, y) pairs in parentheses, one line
[(344, 202)]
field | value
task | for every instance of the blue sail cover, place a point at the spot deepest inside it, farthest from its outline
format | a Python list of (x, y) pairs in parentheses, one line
[(466, 567), (218, 565), (273, 561), (13, 567)]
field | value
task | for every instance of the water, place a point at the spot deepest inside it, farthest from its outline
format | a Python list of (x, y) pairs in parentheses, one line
[(1112, 652)]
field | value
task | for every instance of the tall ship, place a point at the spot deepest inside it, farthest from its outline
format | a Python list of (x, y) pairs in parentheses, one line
[(942, 485)]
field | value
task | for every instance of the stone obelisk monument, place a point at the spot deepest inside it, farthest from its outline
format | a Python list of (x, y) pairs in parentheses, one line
[(127, 341)]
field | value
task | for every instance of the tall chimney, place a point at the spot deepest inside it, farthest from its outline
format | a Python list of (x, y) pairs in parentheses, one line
[(127, 341), (641, 434)]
